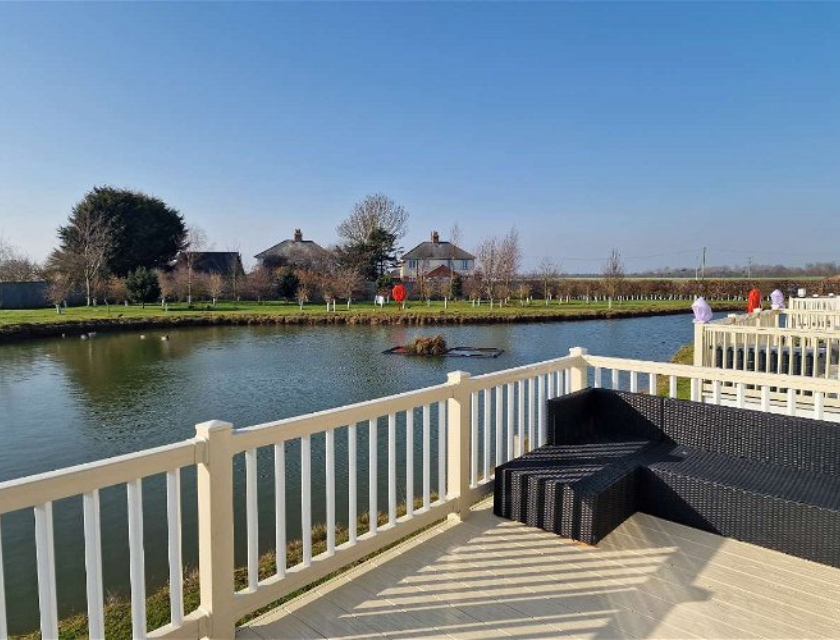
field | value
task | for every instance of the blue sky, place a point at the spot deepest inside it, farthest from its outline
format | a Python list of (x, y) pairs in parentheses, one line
[(655, 128)]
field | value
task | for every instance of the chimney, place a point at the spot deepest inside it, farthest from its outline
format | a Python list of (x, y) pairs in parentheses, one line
[(435, 237), (298, 236)]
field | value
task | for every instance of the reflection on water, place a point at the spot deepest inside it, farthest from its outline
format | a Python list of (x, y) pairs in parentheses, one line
[(65, 402)]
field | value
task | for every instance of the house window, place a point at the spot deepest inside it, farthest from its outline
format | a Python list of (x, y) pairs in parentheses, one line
[(412, 264), (465, 265)]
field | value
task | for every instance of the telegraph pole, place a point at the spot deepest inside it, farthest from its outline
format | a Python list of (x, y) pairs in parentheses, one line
[(703, 269), (749, 266)]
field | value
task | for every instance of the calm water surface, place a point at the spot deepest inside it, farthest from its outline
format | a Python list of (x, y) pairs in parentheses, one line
[(65, 402)]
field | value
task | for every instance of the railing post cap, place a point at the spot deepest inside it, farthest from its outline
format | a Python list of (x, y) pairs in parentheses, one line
[(212, 426), (578, 351), (454, 377)]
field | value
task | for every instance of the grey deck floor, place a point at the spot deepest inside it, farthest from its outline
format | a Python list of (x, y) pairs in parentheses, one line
[(492, 578)]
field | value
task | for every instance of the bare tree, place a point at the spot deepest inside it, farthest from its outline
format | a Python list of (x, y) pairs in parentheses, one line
[(58, 288), (524, 293), (547, 272), (195, 242), (613, 273), (215, 286), (260, 283), (86, 242), (376, 211), (167, 285), (488, 263), (234, 275), (16, 266), (346, 282), (115, 290), (510, 260), (454, 243), (308, 282)]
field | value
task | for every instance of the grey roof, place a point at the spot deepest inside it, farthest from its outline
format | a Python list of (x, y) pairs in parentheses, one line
[(441, 251), (291, 250), (224, 262)]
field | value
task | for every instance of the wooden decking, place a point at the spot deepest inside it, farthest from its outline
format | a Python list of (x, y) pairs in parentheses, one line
[(489, 577)]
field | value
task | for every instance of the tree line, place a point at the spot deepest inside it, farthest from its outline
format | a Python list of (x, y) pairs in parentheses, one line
[(120, 245)]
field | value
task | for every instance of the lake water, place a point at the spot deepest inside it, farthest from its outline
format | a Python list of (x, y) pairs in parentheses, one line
[(69, 401)]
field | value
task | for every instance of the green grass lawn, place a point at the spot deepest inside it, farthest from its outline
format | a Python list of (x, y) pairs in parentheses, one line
[(8, 318)]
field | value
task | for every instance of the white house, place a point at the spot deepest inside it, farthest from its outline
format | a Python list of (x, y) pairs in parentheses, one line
[(434, 255)]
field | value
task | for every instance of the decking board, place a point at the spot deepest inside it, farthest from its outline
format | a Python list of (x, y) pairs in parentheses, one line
[(492, 578)]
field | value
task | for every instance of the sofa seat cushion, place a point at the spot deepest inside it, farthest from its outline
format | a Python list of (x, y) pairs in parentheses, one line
[(778, 481)]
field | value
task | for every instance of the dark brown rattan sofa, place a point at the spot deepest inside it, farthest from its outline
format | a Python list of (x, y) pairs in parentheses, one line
[(766, 479)]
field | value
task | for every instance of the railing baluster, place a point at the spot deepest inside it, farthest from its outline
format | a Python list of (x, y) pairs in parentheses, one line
[(427, 456), (520, 444), (818, 405), (280, 507), (716, 392), (352, 477), (173, 523), (409, 463), (474, 439), (373, 507), (486, 433), (497, 459), (509, 452), (329, 444), (634, 381), (765, 397), (791, 402), (442, 419), (306, 498), (531, 417), (695, 390), (672, 386), (740, 395), (614, 380), (567, 381), (45, 552), (93, 567), (597, 383), (252, 519), (652, 384), (392, 468), (137, 560)]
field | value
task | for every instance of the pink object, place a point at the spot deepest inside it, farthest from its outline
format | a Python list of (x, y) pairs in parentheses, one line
[(702, 310)]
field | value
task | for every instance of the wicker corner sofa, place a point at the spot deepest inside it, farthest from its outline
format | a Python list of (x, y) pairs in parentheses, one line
[(767, 479)]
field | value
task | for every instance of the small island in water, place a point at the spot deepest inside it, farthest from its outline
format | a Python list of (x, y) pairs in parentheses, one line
[(436, 346)]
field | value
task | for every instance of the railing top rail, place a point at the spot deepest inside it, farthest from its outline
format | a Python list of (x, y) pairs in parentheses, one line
[(29, 491), (525, 371), (774, 331), (267, 433), (711, 373)]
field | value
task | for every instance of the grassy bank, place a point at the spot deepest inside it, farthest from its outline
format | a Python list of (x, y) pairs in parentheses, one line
[(684, 355), (158, 612), (37, 323)]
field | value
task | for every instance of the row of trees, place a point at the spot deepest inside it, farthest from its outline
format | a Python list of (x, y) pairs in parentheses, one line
[(113, 233)]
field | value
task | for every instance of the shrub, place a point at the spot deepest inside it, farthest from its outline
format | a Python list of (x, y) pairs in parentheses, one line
[(435, 346)]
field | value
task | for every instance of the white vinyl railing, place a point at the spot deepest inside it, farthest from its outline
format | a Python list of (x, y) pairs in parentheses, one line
[(815, 303), (458, 431), (801, 319), (812, 320), (808, 353)]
